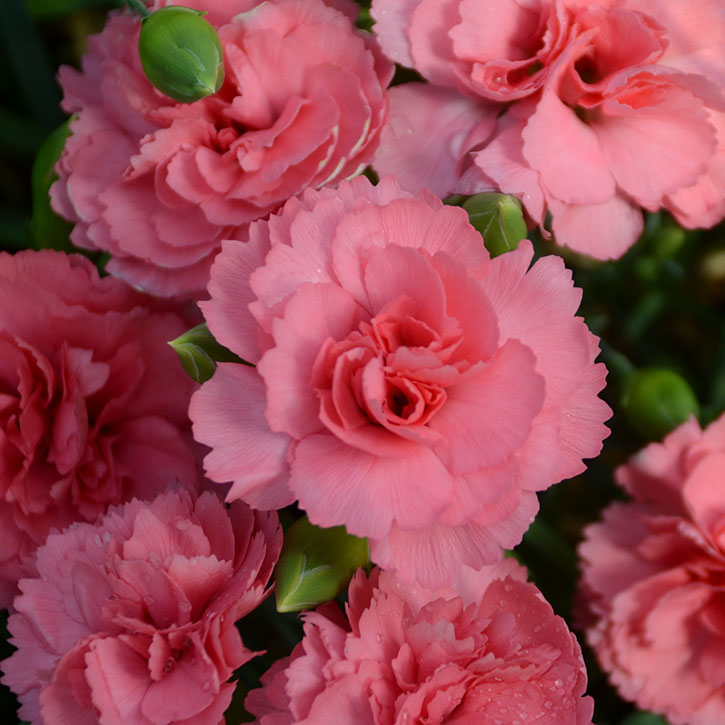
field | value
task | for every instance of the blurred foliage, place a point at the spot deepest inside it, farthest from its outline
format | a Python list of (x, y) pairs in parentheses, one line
[(661, 305)]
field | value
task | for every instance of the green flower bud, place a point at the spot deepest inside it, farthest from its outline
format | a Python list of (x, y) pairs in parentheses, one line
[(657, 400), (500, 220), (316, 565), (181, 54), (199, 353)]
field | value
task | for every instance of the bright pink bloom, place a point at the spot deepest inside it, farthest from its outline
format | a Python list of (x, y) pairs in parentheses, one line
[(406, 386), (610, 106), (490, 650), (654, 571), (160, 184), (131, 620), (92, 400)]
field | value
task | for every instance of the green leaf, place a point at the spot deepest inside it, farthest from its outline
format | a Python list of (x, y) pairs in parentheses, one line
[(199, 353), (316, 565), (48, 230), (500, 220), (644, 718)]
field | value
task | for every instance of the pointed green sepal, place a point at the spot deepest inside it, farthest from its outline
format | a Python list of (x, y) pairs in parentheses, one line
[(49, 231), (199, 353), (316, 565), (657, 400), (500, 220), (181, 54)]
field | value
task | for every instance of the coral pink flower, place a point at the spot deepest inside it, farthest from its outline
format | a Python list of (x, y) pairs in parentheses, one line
[(653, 574), (159, 184), (92, 400), (490, 650), (132, 619), (610, 106), (406, 386)]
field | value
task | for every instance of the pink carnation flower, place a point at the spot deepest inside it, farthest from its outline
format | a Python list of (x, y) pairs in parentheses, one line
[(489, 651), (92, 400), (406, 385), (610, 106), (160, 184), (654, 572), (131, 620)]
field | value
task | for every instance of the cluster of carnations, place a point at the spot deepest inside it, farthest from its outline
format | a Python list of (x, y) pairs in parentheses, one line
[(397, 379)]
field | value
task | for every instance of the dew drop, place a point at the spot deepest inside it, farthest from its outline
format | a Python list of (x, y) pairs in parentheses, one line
[(507, 587), (558, 683), (182, 525), (547, 705), (106, 537), (97, 540), (379, 637)]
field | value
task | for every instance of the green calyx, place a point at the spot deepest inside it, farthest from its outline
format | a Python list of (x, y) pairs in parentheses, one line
[(499, 218), (181, 54)]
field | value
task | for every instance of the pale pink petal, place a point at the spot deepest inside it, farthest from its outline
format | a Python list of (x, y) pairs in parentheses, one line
[(603, 231), (227, 313), (673, 140), (337, 484), (422, 143), (567, 154), (245, 451)]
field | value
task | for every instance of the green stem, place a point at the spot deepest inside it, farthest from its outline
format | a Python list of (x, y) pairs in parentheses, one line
[(139, 7)]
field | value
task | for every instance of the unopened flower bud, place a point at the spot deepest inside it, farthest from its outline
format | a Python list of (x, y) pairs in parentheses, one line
[(499, 218), (657, 400), (199, 353), (181, 54)]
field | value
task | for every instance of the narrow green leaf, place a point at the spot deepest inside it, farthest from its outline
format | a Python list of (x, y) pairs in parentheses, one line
[(199, 353), (316, 565), (49, 231)]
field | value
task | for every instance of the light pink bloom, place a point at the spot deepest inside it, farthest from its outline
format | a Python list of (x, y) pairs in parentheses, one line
[(490, 650), (610, 107), (131, 620), (654, 571), (92, 400), (160, 184), (406, 386)]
